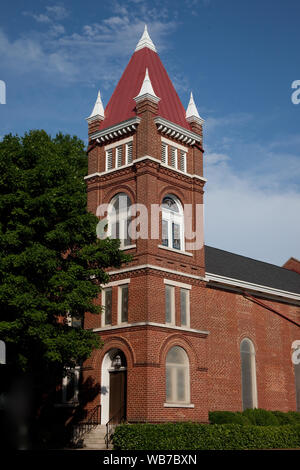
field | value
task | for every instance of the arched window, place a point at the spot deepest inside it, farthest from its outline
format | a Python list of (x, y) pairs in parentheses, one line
[(177, 376), (119, 219), (172, 223), (296, 362), (248, 369)]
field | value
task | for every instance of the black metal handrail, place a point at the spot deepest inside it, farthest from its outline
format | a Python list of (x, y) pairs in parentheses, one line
[(118, 418), (91, 421)]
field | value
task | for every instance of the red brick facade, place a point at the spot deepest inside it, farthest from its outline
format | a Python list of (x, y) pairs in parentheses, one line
[(219, 317)]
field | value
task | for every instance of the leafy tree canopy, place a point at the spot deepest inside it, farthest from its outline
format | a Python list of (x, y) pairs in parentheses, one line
[(51, 262)]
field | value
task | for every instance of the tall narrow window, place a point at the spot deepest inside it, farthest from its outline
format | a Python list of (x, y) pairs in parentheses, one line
[(172, 223), (183, 161), (107, 305), (248, 370), (170, 304), (109, 159), (164, 153), (119, 156), (123, 304), (119, 219), (184, 307), (128, 153), (173, 162), (296, 361), (70, 385), (177, 376)]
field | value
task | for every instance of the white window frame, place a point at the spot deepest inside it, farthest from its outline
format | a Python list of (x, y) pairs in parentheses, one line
[(179, 149), (114, 149), (173, 371), (119, 153), (164, 153), (253, 372), (122, 220), (103, 295), (111, 285), (109, 156), (182, 157), (172, 304), (187, 307), (75, 398), (127, 162), (175, 150), (174, 218), (120, 290)]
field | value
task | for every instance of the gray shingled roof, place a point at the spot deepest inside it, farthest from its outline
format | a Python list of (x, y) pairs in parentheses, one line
[(224, 263)]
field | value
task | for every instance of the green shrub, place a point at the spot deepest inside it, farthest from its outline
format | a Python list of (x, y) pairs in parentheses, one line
[(259, 417), (284, 418), (295, 415), (226, 417), (196, 436)]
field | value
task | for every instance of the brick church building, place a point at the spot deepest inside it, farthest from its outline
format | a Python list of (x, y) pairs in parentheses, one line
[(187, 328)]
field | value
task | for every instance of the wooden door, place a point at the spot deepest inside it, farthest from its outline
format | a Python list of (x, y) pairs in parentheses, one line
[(117, 395)]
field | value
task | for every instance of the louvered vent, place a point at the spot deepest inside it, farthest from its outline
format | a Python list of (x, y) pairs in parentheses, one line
[(109, 159), (183, 161), (164, 153), (174, 157), (129, 152), (119, 156)]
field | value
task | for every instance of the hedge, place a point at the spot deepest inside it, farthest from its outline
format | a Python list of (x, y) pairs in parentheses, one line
[(196, 436), (257, 417)]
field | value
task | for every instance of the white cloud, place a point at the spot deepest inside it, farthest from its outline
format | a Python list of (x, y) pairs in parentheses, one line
[(249, 213), (59, 12), (55, 54)]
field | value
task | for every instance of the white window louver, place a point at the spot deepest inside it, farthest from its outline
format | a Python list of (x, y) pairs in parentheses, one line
[(109, 159), (164, 153), (129, 153), (183, 161), (173, 157), (119, 156)]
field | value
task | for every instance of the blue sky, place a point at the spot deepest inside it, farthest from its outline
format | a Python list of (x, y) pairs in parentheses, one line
[(239, 58)]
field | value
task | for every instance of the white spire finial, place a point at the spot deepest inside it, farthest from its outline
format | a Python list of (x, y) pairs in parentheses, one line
[(145, 41), (146, 91), (98, 111), (192, 114)]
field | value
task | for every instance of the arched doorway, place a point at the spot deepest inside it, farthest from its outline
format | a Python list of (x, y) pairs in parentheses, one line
[(113, 387)]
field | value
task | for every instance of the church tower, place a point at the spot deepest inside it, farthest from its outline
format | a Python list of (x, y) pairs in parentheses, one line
[(145, 166)]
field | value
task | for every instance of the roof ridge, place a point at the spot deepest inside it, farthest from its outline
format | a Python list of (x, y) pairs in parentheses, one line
[(248, 257)]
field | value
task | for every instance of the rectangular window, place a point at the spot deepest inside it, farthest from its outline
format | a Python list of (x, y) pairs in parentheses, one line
[(70, 385), (165, 236), (107, 305), (184, 307), (109, 159), (119, 156), (176, 236), (128, 153), (173, 162), (164, 153), (170, 304), (123, 304), (183, 161)]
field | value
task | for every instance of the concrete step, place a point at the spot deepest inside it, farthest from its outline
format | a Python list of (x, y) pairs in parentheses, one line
[(97, 447)]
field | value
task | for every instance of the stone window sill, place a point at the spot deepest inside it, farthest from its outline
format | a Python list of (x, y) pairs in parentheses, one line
[(179, 405), (179, 252)]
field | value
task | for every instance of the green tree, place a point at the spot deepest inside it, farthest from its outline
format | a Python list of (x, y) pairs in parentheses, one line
[(51, 262)]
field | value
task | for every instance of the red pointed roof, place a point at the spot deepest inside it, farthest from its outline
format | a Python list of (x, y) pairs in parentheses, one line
[(121, 105)]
